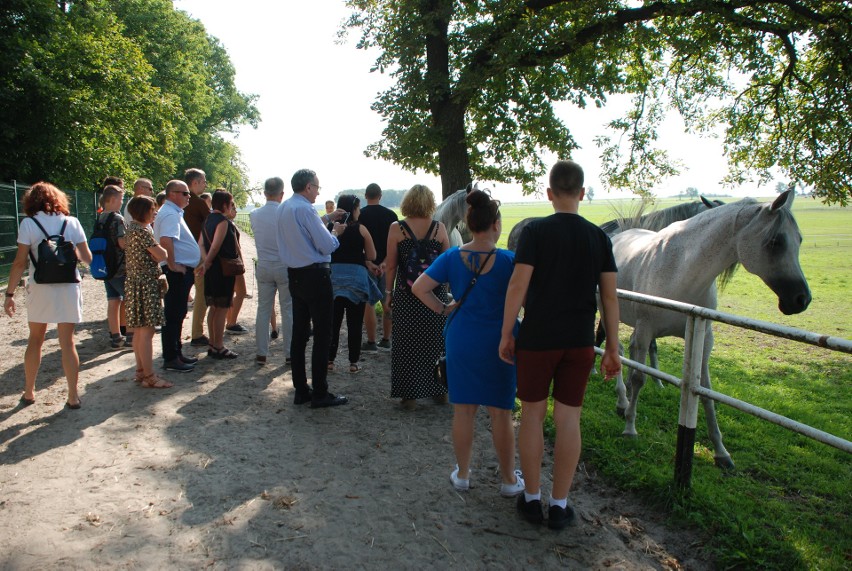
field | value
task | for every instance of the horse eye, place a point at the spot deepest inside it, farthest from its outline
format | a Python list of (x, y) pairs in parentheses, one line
[(777, 243)]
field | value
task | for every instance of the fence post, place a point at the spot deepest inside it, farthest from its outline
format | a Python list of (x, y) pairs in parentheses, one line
[(693, 355)]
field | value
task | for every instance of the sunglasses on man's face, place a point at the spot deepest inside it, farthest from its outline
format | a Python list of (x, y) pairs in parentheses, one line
[(183, 192)]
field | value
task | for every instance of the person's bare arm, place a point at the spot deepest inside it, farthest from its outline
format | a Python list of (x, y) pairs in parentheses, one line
[(610, 363), (16, 272), (515, 296)]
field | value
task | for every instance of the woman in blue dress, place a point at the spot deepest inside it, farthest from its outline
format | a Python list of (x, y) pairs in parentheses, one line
[(475, 374)]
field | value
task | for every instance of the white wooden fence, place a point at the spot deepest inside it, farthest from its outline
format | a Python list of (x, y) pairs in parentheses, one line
[(691, 389)]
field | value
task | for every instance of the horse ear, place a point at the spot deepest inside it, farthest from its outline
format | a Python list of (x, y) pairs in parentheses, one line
[(706, 202), (783, 201)]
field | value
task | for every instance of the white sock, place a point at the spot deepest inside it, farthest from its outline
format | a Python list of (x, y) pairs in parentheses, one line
[(532, 497), (563, 503)]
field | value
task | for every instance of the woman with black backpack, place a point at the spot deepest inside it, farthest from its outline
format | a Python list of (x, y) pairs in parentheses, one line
[(417, 338), (53, 241)]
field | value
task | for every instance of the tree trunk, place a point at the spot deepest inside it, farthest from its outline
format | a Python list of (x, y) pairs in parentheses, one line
[(446, 109)]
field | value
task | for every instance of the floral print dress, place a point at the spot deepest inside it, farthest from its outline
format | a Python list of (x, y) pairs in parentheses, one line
[(142, 296)]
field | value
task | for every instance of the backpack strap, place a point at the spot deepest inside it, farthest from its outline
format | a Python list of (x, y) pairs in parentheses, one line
[(433, 230), (406, 229), (43, 231)]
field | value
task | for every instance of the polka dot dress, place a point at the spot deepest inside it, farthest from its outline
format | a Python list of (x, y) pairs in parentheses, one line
[(417, 339)]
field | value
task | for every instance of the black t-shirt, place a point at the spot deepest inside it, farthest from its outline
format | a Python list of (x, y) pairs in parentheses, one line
[(377, 219), (568, 254)]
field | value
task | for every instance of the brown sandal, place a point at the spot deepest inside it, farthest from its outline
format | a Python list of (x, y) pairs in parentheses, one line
[(152, 381), (140, 374)]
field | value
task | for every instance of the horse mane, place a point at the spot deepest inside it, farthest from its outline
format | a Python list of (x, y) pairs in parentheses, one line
[(657, 219)]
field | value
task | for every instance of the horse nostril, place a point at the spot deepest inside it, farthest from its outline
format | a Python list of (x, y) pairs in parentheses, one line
[(804, 300)]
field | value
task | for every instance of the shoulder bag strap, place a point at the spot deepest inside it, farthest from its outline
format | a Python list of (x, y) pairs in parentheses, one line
[(471, 284)]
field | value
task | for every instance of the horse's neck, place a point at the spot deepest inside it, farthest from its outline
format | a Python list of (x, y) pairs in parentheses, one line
[(706, 244), (449, 213)]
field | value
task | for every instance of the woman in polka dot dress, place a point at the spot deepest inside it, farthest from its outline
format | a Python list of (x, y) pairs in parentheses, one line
[(417, 338)]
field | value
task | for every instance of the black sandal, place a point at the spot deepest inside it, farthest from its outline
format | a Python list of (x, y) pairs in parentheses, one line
[(227, 354)]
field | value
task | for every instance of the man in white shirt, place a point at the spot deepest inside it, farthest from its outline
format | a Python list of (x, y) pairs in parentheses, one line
[(183, 253), (270, 272)]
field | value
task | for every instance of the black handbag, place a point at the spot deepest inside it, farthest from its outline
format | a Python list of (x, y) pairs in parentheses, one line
[(440, 372)]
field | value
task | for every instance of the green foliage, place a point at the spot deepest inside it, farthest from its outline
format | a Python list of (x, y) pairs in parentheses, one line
[(785, 506), (128, 88), (475, 83)]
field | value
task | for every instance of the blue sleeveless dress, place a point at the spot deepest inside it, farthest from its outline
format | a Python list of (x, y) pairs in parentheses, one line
[(475, 372)]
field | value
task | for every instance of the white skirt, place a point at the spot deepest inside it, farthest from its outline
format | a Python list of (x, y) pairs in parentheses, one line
[(54, 303)]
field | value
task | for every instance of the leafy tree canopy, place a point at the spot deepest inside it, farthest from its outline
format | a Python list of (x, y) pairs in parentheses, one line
[(128, 88), (475, 84)]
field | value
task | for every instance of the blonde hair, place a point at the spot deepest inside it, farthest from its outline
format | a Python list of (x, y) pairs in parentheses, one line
[(418, 202)]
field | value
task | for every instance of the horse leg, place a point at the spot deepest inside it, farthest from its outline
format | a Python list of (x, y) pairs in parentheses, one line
[(600, 336), (638, 351), (721, 456), (620, 389), (654, 361)]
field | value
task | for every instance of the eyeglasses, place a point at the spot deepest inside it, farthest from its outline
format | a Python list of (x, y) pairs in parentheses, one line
[(183, 192), (318, 186)]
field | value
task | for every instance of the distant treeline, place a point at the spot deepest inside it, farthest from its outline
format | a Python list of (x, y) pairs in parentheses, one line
[(390, 198)]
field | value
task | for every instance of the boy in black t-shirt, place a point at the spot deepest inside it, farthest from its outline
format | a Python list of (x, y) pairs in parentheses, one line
[(561, 260)]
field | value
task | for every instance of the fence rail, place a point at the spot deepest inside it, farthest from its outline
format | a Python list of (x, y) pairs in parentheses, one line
[(690, 385)]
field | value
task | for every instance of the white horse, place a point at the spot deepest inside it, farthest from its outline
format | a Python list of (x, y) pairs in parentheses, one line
[(452, 211), (682, 262)]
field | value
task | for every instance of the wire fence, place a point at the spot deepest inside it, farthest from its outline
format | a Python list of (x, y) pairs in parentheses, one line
[(82, 204)]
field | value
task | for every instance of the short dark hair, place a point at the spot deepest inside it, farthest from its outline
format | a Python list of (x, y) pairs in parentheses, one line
[(273, 187), (566, 177), (373, 191), (140, 206), (302, 179), (221, 199), (160, 198), (114, 181), (190, 175), (484, 211)]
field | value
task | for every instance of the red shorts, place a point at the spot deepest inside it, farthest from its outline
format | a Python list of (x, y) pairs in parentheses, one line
[(568, 369)]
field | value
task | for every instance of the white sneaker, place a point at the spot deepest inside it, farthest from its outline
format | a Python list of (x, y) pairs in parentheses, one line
[(512, 490), (460, 484)]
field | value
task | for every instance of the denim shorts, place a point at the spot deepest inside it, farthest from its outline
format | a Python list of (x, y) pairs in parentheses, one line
[(379, 281), (115, 287)]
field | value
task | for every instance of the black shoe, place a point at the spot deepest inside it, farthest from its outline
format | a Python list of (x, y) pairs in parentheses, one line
[(531, 511), (559, 518), (236, 329), (128, 341), (202, 341), (188, 360), (274, 334), (178, 365), (303, 398), (329, 400)]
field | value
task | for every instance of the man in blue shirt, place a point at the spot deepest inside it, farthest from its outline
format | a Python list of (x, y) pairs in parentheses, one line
[(183, 253), (305, 247)]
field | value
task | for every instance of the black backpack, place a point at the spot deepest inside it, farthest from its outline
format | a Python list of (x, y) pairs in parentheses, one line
[(419, 257), (106, 255), (57, 258)]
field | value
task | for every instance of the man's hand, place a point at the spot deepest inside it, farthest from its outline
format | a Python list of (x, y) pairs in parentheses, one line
[(507, 349), (610, 364)]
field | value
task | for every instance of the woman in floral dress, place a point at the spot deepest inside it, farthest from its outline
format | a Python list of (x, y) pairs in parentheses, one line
[(143, 296)]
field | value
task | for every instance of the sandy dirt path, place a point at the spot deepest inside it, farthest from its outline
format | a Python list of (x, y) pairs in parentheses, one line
[(224, 472)]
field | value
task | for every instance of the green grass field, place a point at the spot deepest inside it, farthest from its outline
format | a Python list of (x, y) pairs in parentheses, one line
[(787, 503)]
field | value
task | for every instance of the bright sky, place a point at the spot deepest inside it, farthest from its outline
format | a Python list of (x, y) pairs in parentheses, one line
[(315, 96)]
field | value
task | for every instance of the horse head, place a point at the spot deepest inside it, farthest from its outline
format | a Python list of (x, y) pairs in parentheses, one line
[(768, 246)]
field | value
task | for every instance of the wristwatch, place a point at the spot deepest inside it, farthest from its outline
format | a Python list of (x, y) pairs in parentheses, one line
[(10, 294)]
